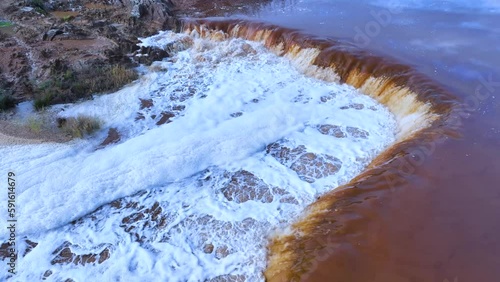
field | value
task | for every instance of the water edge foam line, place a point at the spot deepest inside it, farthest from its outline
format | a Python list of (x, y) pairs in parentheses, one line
[(425, 113)]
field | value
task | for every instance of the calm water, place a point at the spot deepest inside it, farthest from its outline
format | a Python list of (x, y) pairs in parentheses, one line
[(441, 223)]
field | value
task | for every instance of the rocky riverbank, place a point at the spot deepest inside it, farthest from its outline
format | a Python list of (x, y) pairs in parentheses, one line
[(57, 44), (61, 51)]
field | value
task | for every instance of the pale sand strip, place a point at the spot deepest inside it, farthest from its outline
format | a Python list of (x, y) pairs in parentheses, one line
[(15, 134), (7, 140)]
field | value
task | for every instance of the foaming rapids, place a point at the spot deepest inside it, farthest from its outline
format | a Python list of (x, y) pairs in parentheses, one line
[(425, 113), (214, 149), (409, 97), (207, 154)]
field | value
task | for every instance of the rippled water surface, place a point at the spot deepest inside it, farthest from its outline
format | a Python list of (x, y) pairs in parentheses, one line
[(441, 222)]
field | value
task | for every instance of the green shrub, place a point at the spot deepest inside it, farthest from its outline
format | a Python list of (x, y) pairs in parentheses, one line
[(5, 24), (67, 86), (68, 75), (43, 101), (45, 85), (6, 101), (39, 6)]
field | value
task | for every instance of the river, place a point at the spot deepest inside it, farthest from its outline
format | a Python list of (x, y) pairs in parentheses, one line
[(207, 183), (440, 223)]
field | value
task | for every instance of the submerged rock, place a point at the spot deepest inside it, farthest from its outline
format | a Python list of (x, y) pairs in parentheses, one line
[(146, 103), (165, 118), (357, 132), (312, 166), (308, 166), (113, 137), (332, 130), (355, 106), (66, 254), (338, 132), (228, 278), (284, 154), (245, 186), (148, 55)]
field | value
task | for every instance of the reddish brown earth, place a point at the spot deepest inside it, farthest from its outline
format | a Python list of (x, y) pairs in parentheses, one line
[(217, 8), (43, 45), (95, 33), (82, 35), (113, 137)]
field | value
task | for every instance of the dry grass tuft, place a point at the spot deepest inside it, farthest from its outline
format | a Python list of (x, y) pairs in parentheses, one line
[(80, 126), (109, 78), (35, 124), (68, 86)]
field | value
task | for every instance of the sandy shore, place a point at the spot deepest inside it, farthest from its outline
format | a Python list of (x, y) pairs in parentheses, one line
[(17, 134), (7, 140)]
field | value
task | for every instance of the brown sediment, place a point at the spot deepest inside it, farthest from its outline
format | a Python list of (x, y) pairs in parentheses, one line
[(202, 8), (113, 137), (98, 6), (425, 112), (146, 103), (165, 118), (64, 14)]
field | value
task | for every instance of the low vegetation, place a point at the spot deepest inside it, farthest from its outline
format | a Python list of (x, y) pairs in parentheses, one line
[(80, 126), (39, 6), (35, 124), (5, 24), (67, 18), (43, 101), (6, 100), (107, 78), (67, 85)]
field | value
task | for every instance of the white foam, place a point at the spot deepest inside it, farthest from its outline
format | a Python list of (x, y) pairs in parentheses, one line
[(212, 80)]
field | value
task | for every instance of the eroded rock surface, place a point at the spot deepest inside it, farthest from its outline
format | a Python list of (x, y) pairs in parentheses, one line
[(332, 130), (112, 138), (355, 106), (245, 186), (67, 253), (228, 278), (308, 166), (357, 132), (340, 132), (208, 229)]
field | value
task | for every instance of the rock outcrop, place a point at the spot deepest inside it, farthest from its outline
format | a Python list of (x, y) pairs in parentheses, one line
[(309, 166), (77, 34)]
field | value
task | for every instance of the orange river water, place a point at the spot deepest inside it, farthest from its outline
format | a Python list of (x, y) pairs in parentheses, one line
[(435, 216)]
